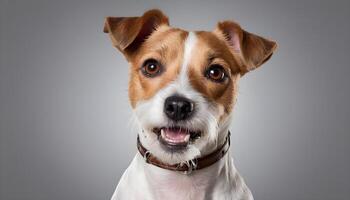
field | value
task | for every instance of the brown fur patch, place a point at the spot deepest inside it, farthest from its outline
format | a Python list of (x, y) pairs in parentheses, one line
[(166, 45), (210, 50)]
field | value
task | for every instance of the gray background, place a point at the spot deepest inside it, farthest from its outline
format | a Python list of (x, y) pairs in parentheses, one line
[(64, 112)]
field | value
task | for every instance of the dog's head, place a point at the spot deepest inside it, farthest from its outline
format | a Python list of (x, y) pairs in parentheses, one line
[(183, 85)]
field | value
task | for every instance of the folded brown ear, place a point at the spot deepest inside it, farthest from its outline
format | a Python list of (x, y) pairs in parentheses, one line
[(128, 33), (255, 50)]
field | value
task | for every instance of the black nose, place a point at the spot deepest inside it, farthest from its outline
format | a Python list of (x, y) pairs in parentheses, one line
[(178, 108)]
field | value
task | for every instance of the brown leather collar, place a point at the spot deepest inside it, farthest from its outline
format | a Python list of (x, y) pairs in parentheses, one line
[(191, 165)]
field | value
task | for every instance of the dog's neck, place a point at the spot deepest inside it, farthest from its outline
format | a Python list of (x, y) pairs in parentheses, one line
[(167, 184), (200, 184)]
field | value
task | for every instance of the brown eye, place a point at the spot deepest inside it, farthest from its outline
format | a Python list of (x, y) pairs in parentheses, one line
[(151, 68), (216, 73)]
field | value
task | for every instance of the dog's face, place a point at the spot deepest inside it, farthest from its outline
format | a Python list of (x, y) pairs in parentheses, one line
[(183, 85)]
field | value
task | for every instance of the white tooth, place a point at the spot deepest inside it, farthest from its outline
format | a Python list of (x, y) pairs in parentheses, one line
[(187, 138)]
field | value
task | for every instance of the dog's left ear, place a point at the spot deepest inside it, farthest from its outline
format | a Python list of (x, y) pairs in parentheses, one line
[(253, 49), (128, 33)]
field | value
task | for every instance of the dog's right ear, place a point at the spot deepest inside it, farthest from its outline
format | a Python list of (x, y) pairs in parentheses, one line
[(128, 33)]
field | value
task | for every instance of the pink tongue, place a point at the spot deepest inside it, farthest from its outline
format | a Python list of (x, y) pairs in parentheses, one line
[(176, 134)]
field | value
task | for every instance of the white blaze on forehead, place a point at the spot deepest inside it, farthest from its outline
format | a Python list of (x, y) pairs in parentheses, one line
[(189, 46)]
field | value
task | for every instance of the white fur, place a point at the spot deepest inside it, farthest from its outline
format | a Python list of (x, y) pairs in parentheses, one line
[(219, 181), (145, 181)]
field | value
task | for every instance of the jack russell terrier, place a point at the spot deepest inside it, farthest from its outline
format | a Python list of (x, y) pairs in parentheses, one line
[(183, 86)]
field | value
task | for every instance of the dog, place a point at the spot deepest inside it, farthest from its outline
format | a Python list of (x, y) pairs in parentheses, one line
[(182, 88)]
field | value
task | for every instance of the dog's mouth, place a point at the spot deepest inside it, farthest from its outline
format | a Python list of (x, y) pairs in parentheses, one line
[(176, 138)]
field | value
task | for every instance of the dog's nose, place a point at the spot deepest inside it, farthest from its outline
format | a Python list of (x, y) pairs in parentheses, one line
[(178, 108)]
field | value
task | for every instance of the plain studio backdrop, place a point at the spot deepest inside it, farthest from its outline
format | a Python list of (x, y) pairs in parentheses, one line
[(65, 116)]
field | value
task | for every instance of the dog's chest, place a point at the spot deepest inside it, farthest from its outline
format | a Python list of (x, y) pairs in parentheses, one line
[(144, 181), (173, 185)]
